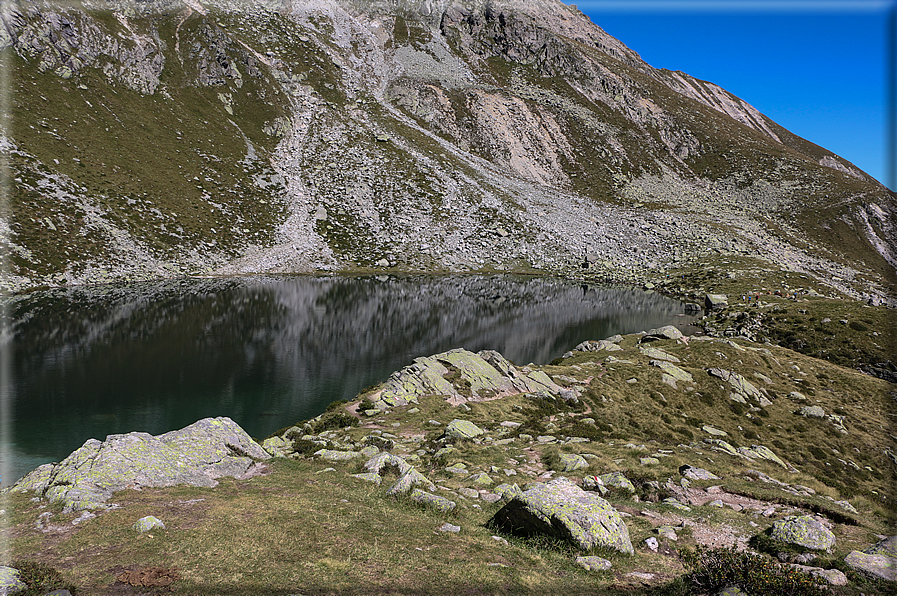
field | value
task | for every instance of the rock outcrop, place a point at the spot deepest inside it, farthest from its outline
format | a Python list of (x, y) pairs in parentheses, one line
[(460, 376), (194, 455)]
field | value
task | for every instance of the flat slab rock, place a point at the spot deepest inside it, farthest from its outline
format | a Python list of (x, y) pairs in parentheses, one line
[(563, 510), (194, 455)]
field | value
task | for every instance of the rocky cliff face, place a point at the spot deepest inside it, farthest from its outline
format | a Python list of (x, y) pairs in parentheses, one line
[(170, 137)]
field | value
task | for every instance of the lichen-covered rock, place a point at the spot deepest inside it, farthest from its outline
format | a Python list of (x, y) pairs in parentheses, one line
[(431, 500), (277, 446), (874, 565), (887, 546), (593, 563), (481, 479), (804, 531), (336, 455), (673, 371), (460, 376), (507, 491), (195, 455), (383, 462), (665, 332), (811, 412), (697, 473), (716, 301), (569, 462), (462, 429), (563, 510), (657, 354), (145, 524), (407, 481), (617, 480), (10, 582)]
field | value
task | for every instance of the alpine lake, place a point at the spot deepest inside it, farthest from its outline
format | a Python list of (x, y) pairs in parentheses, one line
[(268, 351)]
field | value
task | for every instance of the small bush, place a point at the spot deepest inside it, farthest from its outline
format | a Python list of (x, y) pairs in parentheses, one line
[(40, 579), (857, 326), (716, 568)]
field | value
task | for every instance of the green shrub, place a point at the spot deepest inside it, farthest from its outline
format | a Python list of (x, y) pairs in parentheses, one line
[(40, 578), (711, 569)]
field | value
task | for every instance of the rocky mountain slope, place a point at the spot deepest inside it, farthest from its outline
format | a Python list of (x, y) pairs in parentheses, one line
[(211, 137)]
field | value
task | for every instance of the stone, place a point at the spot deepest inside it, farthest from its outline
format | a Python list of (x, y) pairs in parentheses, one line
[(481, 479), (569, 462), (195, 455), (597, 346), (277, 446), (383, 462), (593, 563), (832, 577), (651, 543), (507, 491), (804, 531), (617, 480), (407, 481), (334, 455), (468, 493), (457, 469), (463, 429), (879, 566), (696, 473), (657, 354), (673, 371), (369, 476), (811, 412), (716, 301), (145, 524), (447, 527), (665, 332), (10, 581), (369, 451), (562, 510), (649, 461), (887, 546), (714, 431), (379, 442), (484, 375), (431, 500)]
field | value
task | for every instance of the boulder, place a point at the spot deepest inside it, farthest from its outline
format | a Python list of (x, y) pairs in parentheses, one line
[(877, 566), (568, 462), (665, 332), (879, 560), (431, 500), (462, 429), (10, 583), (811, 412), (194, 455), (804, 531), (597, 346), (407, 481), (673, 371), (145, 524), (593, 563), (657, 354), (383, 462), (696, 473), (335, 455), (617, 480), (563, 510), (716, 301)]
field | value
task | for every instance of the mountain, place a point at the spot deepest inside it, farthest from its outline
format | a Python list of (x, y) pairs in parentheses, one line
[(164, 137)]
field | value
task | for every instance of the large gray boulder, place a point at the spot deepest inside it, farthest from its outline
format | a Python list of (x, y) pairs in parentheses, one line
[(879, 560), (195, 455), (563, 510), (804, 531), (10, 583)]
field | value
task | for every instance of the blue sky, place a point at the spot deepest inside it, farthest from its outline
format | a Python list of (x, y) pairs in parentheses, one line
[(818, 68)]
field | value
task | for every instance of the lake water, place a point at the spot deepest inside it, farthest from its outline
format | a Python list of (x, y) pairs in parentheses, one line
[(269, 351)]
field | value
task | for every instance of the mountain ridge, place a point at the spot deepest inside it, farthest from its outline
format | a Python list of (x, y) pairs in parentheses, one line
[(347, 136)]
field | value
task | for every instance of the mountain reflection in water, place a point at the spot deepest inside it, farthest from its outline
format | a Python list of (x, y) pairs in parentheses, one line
[(268, 351)]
